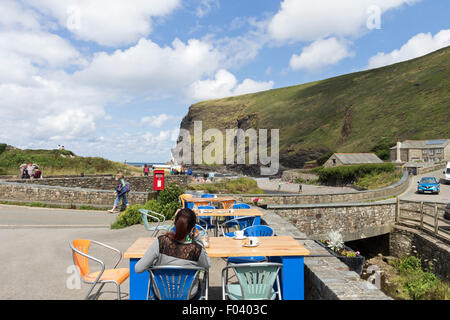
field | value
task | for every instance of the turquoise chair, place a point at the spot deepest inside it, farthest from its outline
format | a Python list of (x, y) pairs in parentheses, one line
[(256, 282), (159, 218)]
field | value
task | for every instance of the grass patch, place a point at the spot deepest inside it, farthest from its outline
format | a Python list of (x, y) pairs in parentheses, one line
[(59, 162), (379, 180), (49, 205), (237, 186), (413, 282)]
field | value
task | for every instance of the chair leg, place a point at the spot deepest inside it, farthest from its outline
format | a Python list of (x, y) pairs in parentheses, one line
[(98, 291), (89, 292), (118, 290)]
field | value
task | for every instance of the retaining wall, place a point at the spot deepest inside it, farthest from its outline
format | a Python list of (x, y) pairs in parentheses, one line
[(353, 220), (404, 241), (140, 184), (22, 192)]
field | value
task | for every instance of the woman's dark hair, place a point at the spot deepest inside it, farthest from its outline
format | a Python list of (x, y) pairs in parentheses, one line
[(184, 222)]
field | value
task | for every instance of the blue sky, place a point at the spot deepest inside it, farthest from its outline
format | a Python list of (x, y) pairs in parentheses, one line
[(109, 79)]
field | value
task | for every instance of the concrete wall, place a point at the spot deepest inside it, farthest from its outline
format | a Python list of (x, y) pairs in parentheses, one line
[(22, 192), (353, 220), (404, 241), (356, 196), (140, 184)]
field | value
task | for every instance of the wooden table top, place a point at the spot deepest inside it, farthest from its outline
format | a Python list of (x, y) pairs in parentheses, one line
[(226, 212), (222, 247)]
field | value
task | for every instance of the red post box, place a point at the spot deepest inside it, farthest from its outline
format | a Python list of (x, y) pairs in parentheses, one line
[(158, 180)]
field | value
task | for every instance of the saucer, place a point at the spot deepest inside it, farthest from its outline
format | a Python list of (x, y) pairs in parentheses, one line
[(240, 238), (250, 245)]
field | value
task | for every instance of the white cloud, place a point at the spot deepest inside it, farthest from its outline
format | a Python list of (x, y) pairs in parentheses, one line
[(151, 70), (309, 20), (109, 23), (319, 54), (156, 121), (13, 15), (225, 84), (206, 6), (419, 45)]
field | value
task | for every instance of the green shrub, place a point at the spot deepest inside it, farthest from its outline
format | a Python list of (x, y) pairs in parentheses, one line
[(349, 174), (237, 186)]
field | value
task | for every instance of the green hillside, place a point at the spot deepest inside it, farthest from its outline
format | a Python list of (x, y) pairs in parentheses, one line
[(57, 162), (356, 112)]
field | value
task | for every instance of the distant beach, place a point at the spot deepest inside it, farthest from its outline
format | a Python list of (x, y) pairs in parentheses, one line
[(141, 164)]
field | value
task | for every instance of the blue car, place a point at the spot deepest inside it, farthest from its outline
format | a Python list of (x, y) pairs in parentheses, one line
[(428, 185)]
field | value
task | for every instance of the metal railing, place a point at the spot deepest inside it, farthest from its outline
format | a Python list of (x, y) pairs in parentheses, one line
[(427, 216)]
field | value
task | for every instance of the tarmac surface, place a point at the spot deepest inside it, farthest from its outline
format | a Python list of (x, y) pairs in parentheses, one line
[(36, 260), (442, 197)]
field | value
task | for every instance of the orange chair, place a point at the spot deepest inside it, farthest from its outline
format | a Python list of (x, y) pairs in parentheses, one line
[(183, 198), (80, 249), (228, 204)]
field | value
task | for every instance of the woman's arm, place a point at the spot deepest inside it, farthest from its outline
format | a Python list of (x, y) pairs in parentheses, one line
[(149, 258)]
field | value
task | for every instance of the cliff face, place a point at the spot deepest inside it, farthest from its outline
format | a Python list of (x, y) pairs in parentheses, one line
[(351, 113)]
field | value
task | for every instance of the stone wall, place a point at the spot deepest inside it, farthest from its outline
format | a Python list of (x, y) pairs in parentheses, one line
[(357, 196), (139, 184), (22, 192), (404, 241), (353, 220)]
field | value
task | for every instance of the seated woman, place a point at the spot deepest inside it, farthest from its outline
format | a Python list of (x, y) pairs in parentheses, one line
[(178, 248)]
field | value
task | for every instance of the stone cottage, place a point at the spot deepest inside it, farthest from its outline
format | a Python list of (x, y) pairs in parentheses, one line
[(343, 159)]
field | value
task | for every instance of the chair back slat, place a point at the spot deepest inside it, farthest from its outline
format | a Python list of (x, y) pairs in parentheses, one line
[(173, 283), (241, 206), (80, 261), (207, 195), (258, 231), (256, 281)]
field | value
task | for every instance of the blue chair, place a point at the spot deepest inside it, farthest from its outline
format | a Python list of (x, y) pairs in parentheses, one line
[(189, 205), (242, 222), (201, 230), (175, 282), (241, 206), (207, 195), (206, 220), (236, 206), (253, 231)]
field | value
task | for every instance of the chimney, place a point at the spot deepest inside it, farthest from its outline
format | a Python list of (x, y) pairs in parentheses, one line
[(398, 158)]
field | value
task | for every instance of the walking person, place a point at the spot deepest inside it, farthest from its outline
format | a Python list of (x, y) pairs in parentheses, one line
[(122, 188)]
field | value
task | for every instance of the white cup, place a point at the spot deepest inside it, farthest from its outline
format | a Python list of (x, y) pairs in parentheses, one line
[(253, 241), (239, 233)]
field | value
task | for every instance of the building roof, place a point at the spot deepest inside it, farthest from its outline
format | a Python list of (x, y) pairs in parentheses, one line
[(423, 144), (357, 158)]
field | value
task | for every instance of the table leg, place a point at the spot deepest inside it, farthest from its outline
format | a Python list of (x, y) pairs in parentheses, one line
[(138, 283), (292, 278)]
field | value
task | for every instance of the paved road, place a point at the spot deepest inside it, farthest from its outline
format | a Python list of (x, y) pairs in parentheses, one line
[(35, 261), (411, 192), (272, 185)]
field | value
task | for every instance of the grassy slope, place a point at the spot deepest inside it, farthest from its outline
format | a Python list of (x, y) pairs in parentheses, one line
[(52, 162), (408, 100)]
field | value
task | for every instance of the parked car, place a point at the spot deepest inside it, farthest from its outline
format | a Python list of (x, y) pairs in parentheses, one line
[(428, 185), (446, 178), (447, 212)]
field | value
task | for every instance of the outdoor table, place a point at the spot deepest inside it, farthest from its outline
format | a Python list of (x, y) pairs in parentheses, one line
[(281, 249), (216, 213)]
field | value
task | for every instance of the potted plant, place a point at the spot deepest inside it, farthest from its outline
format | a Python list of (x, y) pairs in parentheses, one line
[(257, 201), (334, 243)]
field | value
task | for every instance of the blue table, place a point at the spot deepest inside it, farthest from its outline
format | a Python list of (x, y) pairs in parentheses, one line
[(281, 249)]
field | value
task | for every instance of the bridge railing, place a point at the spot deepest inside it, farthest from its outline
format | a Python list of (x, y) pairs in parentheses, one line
[(427, 216)]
